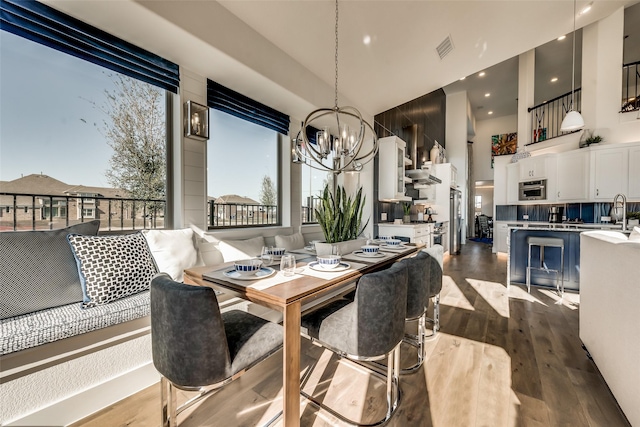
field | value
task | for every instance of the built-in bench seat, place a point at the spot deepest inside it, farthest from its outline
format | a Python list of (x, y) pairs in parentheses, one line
[(45, 326)]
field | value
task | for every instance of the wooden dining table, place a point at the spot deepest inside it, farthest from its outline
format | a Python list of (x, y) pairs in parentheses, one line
[(292, 295)]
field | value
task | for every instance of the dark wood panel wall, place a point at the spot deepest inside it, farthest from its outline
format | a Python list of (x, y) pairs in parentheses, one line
[(428, 114)]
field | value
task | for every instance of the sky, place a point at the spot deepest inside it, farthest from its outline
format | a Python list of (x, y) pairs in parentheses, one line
[(46, 121), (49, 125)]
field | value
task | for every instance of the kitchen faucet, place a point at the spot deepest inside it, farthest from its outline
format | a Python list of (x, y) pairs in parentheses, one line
[(624, 209)]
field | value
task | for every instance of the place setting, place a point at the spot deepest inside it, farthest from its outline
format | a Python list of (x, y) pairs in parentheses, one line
[(394, 245), (256, 272), (367, 253), (329, 266)]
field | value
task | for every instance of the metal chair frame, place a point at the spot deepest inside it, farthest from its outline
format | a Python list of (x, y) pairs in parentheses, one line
[(168, 395), (392, 379)]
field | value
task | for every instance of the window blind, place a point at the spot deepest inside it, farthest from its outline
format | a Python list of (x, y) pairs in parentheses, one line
[(45, 25), (228, 101)]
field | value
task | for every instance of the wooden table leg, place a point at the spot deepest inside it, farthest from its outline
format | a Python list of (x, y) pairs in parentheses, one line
[(291, 365)]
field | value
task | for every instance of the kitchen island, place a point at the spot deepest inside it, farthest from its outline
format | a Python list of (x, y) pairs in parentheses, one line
[(518, 248)]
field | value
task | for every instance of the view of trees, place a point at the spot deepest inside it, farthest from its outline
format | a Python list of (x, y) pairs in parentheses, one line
[(136, 131), (268, 192)]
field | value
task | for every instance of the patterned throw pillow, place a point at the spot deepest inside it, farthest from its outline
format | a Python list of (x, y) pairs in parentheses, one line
[(112, 267), (37, 269)]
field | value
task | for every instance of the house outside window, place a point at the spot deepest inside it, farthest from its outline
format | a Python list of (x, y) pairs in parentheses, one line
[(243, 173)]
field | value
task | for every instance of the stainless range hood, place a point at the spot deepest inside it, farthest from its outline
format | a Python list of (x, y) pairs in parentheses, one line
[(422, 177)]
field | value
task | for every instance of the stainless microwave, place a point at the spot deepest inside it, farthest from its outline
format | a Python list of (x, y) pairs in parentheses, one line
[(533, 190)]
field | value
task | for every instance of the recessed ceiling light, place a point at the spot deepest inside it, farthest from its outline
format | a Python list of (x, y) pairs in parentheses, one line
[(586, 9), (490, 112), (481, 74), (366, 40), (554, 79), (462, 78), (562, 38), (486, 95)]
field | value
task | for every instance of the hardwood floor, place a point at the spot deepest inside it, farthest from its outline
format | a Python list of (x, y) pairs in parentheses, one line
[(502, 358)]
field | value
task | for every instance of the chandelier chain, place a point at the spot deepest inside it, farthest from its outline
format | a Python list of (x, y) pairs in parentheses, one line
[(336, 58)]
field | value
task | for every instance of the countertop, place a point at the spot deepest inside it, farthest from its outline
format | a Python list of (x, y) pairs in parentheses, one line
[(412, 224), (561, 226)]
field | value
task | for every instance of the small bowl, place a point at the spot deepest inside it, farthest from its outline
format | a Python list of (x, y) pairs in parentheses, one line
[(329, 261), (369, 250), (393, 242), (248, 267), (276, 251)]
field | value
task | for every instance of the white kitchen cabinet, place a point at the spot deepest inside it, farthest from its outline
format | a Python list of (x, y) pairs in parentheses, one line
[(532, 168), (391, 179), (610, 173), (513, 171), (417, 233), (634, 173), (572, 179), (500, 234)]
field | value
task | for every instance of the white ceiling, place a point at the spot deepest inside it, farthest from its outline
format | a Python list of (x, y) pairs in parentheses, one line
[(400, 63)]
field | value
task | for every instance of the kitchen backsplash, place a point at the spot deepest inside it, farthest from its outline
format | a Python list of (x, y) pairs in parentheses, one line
[(587, 212)]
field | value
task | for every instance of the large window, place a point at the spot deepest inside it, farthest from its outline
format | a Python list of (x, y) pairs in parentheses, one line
[(242, 173), (313, 182), (68, 123)]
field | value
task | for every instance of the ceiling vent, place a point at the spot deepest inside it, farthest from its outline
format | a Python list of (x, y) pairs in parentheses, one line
[(445, 47)]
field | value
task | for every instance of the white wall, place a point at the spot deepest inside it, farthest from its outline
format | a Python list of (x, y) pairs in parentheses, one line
[(602, 81), (482, 143), (457, 125), (487, 200)]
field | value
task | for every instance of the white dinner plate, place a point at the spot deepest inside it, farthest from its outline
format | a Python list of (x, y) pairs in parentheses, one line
[(400, 246), (341, 267), (260, 274), (363, 255)]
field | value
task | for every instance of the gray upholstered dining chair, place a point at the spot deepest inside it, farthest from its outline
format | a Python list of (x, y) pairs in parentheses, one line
[(419, 272), (370, 327), (436, 253), (197, 348)]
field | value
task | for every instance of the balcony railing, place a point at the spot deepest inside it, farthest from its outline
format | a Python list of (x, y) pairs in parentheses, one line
[(309, 211), (630, 87), (226, 215), (21, 212), (547, 117)]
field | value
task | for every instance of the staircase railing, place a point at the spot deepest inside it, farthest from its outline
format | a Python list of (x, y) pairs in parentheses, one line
[(547, 117), (630, 87)]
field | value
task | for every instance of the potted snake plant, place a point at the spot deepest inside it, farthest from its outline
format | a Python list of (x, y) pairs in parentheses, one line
[(340, 218)]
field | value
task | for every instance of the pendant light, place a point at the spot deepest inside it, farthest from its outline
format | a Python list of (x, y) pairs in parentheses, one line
[(573, 120), (345, 148)]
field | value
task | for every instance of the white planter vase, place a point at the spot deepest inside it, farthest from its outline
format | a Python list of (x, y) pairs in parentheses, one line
[(323, 248)]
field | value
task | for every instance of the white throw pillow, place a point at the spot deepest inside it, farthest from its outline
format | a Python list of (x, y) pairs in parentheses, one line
[(294, 241), (209, 253), (635, 234), (437, 252), (173, 250), (233, 250)]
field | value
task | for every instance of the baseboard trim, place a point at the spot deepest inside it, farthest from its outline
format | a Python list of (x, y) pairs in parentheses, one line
[(90, 401)]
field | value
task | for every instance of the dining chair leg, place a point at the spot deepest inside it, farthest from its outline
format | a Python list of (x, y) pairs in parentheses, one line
[(436, 317), (168, 402), (173, 405), (164, 402)]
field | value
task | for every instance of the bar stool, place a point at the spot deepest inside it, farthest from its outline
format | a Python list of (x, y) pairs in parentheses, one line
[(544, 242)]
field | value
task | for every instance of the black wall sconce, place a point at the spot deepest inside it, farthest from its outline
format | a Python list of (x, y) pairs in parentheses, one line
[(196, 120)]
